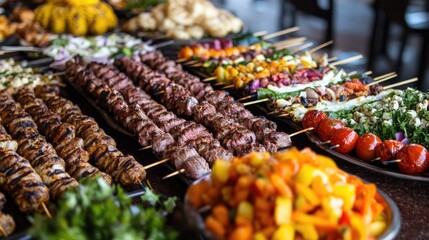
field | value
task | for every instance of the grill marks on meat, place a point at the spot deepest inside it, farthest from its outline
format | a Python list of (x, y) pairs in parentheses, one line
[(224, 103), (157, 117), (124, 169), (61, 135), (20, 180), (39, 152), (178, 98)]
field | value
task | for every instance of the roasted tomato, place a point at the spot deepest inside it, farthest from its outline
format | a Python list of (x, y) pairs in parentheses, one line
[(327, 127), (312, 119), (365, 146), (413, 159), (345, 138), (388, 149)]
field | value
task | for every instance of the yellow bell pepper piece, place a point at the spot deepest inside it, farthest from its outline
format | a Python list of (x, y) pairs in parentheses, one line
[(285, 231), (359, 231), (283, 210), (220, 171), (333, 207), (307, 193), (347, 192), (307, 231), (307, 173), (245, 210), (259, 236)]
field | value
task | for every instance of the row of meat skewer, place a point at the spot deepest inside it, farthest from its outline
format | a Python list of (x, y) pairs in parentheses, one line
[(51, 147), (189, 145)]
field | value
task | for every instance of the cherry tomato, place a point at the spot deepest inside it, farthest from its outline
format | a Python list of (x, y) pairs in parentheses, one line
[(414, 159), (365, 146), (388, 149), (327, 126), (312, 119), (346, 139)]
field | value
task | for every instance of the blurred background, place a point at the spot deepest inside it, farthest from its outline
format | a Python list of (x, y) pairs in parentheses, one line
[(392, 35)]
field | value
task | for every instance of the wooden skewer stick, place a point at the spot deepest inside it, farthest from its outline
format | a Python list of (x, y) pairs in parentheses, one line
[(382, 80), (3, 232), (335, 146), (190, 62), (301, 131), (289, 41), (218, 84), (163, 44), (368, 73), (321, 46), (307, 45), (391, 161), (48, 214), (384, 75), (229, 86), (273, 112), (196, 65), (174, 174), (260, 33), (402, 83), (140, 182), (144, 148), (323, 143), (247, 97), (289, 45), (352, 73), (156, 163), (209, 79), (283, 115), (332, 59), (160, 92), (347, 60), (182, 60), (282, 32), (256, 101), (375, 160)]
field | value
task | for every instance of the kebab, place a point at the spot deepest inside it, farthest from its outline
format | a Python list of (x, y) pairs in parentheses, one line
[(159, 114), (61, 135), (155, 112), (265, 130), (33, 146), (195, 166), (230, 47), (101, 147), (196, 169), (20, 180)]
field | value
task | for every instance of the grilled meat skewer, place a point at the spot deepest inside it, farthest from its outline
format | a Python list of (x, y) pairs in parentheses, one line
[(123, 168), (34, 147), (61, 135)]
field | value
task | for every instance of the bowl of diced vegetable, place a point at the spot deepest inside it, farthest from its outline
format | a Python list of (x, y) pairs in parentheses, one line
[(288, 195)]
